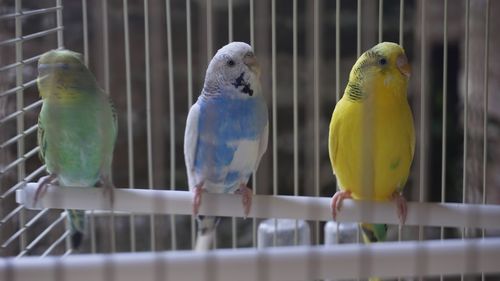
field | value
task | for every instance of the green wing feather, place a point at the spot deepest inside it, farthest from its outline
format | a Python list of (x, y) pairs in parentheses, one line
[(42, 143)]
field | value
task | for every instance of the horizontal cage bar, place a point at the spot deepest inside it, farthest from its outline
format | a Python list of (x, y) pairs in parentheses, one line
[(390, 259), (30, 13)]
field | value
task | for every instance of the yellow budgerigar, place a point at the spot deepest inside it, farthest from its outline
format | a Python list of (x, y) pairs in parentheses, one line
[(372, 137)]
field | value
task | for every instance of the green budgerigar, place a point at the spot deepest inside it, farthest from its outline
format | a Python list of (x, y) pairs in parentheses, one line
[(77, 129)]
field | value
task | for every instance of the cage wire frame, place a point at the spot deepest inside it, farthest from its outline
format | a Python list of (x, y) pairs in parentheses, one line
[(475, 255)]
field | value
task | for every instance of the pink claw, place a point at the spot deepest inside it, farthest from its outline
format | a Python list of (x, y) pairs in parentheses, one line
[(198, 191), (108, 189), (401, 205), (337, 199), (246, 198), (44, 183)]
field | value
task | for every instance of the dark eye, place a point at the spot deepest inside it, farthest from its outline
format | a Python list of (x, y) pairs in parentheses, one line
[(230, 62), (382, 61), (65, 66)]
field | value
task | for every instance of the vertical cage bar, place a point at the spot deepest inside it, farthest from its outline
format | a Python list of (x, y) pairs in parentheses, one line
[(190, 90), (486, 101), (93, 244), (230, 20), (189, 54), (401, 21), (85, 33), (105, 39), (337, 64), (209, 31), (358, 53), (358, 30), (466, 101), (148, 118), (105, 34), (466, 109), (59, 19), (21, 169), (423, 105), (337, 61), (380, 20), (130, 134), (274, 107), (274, 93), (254, 176), (337, 46), (234, 230), (401, 35), (485, 107), (445, 112), (252, 27), (445, 107), (60, 44), (234, 233), (172, 116), (295, 113), (67, 227), (316, 107), (466, 112)]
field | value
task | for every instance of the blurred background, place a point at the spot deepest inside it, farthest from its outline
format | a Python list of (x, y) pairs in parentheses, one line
[(198, 28)]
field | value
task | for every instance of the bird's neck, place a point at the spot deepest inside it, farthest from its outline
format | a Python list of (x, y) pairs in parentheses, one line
[(70, 96), (378, 91)]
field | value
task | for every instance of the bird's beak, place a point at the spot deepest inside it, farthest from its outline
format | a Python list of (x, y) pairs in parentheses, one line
[(251, 61), (403, 65)]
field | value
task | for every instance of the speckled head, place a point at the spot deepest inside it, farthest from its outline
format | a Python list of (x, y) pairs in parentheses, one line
[(63, 75), (385, 67), (233, 71), (385, 56)]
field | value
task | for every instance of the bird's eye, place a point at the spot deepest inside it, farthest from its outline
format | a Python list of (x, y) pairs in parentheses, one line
[(230, 62), (65, 66), (382, 61)]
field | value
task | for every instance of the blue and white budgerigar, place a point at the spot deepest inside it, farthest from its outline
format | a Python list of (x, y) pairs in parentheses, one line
[(226, 132), (77, 129)]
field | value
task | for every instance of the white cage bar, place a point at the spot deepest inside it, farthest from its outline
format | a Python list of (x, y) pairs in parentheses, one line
[(281, 263)]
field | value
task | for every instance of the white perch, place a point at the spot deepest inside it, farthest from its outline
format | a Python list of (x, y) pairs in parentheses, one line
[(263, 206), (428, 258)]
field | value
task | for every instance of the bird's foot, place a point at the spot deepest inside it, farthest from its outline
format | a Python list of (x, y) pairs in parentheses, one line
[(400, 201), (337, 199), (43, 184), (246, 198), (198, 190), (108, 189)]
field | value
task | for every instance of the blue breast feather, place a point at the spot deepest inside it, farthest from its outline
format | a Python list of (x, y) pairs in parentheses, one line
[(222, 123)]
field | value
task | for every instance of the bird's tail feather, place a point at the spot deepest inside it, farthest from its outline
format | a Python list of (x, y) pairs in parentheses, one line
[(77, 227), (204, 241), (373, 233), (206, 229)]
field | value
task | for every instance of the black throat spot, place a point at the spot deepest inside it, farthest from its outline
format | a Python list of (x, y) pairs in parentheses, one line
[(241, 82)]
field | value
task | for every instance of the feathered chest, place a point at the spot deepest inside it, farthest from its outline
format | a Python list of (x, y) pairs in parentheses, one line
[(223, 120)]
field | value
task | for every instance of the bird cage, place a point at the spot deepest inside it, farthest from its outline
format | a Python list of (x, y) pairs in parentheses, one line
[(151, 57)]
